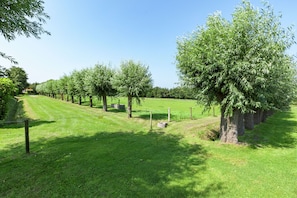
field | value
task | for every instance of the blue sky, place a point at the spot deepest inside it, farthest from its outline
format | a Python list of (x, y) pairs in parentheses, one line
[(86, 32)]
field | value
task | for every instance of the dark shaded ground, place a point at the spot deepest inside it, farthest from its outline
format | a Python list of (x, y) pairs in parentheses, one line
[(277, 131), (119, 164)]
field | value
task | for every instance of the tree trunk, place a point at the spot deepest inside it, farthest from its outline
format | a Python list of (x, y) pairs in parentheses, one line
[(62, 96), (67, 97), (240, 124), (104, 100), (249, 121), (79, 100), (265, 116), (91, 101), (229, 127), (129, 106), (72, 98), (257, 117)]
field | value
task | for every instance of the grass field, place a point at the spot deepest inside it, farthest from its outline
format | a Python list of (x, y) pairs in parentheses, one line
[(77, 151)]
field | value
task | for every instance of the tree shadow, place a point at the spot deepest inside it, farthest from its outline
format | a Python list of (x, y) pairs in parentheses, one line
[(21, 124), (119, 164), (278, 131)]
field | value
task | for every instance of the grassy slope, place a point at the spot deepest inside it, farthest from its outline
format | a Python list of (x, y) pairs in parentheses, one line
[(86, 152)]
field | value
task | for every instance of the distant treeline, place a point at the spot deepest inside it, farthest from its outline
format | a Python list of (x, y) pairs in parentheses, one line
[(177, 92)]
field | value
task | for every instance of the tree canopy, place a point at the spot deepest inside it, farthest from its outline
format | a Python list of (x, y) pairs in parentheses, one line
[(133, 80), (19, 77), (21, 17), (241, 64)]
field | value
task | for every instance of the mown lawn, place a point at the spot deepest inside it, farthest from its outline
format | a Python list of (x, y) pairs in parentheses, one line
[(77, 151)]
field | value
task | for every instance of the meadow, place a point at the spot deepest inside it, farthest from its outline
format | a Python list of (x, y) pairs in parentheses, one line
[(78, 151)]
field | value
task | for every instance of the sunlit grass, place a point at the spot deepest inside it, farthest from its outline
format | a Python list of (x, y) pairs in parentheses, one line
[(78, 151)]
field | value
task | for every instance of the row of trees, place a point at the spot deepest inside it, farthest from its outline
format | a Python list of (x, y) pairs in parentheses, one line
[(241, 64), (133, 80)]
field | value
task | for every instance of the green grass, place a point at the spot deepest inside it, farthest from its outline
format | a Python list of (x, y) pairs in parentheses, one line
[(77, 151)]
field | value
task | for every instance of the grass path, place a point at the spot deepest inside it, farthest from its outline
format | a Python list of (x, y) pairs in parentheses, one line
[(84, 152)]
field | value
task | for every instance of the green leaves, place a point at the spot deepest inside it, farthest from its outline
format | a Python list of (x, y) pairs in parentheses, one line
[(241, 64), (134, 79)]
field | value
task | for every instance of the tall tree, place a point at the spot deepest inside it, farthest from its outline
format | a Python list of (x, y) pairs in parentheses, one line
[(79, 84), (233, 63), (21, 17), (99, 82), (132, 81), (18, 77)]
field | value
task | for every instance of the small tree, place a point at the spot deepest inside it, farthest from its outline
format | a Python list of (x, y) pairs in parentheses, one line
[(102, 81), (132, 81)]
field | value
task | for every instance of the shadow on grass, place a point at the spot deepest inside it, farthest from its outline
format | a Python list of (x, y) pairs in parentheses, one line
[(21, 124), (276, 132), (120, 164)]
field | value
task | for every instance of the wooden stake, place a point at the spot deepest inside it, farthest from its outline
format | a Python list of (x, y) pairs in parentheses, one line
[(27, 136), (168, 114), (151, 120)]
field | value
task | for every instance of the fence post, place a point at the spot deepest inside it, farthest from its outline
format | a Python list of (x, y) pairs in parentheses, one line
[(27, 136), (191, 115), (168, 114), (151, 120)]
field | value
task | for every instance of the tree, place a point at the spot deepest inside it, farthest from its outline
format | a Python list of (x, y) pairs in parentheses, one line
[(18, 77), (21, 17), (234, 63), (79, 84), (98, 82), (132, 81), (7, 90)]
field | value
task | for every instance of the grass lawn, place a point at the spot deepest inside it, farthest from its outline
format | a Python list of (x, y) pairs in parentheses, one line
[(77, 151)]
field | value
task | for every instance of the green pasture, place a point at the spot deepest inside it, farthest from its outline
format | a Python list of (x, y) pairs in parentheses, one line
[(78, 151)]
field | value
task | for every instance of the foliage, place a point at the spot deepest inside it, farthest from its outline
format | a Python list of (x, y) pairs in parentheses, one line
[(181, 92), (19, 77), (236, 63), (21, 17), (133, 81), (3, 72), (7, 89)]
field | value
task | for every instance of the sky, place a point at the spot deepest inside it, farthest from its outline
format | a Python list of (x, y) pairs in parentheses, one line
[(87, 32)]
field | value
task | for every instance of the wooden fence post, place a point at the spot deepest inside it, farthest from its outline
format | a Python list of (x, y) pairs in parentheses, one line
[(27, 136), (168, 114), (151, 120)]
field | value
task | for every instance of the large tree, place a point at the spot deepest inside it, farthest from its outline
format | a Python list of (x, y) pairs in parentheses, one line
[(21, 17), (234, 63), (133, 80), (18, 77)]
